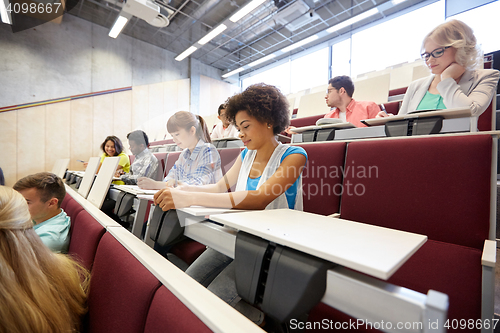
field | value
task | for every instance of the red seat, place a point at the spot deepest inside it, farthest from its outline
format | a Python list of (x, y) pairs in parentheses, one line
[(322, 177), (436, 186), (72, 207), (168, 313), (64, 203), (161, 157), (306, 121), (398, 91), (171, 158), (86, 233), (121, 290)]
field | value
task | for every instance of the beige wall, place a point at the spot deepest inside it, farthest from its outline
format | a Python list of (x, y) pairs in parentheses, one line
[(213, 93), (32, 139)]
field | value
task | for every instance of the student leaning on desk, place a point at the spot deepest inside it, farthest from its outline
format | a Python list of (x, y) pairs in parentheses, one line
[(451, 53), (267, 175)]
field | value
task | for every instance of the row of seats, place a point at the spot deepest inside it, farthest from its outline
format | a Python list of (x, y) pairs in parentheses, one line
[(125, 296), (437, 186)]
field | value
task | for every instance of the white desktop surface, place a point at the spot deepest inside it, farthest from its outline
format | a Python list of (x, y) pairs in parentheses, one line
[(101, 184), (204, 211), (316, 127), (229, 138), (88, 176), (445, 113), (134, 189), (372, 250)]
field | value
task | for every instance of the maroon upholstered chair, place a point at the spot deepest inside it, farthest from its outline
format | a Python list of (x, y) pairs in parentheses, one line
[(171, 158), (306, 121), (485, 121), (161, 142), (86, 233), (161, 157), (67, 198), (72, 207), (168, 314), (392, 107), (398, 91), (121, 290), (322, 176), (435, 186)]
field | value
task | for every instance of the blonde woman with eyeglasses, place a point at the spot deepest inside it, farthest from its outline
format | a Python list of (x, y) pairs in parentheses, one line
[(40, 291), (451, 54)]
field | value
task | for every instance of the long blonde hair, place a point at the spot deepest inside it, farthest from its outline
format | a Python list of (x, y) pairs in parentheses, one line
[(40, 291)]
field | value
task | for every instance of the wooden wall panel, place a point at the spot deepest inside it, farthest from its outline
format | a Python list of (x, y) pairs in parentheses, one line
[(122, 114), (57, 133), (31, 141), (156, 111), (8, 146), (81, 131), (140, 107), (102, 121)]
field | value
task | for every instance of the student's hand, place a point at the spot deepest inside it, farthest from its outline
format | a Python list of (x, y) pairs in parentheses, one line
[(118, 173), (85, 164), (382, 114), (149, 184), (289, 130), (170, 183), (171, 198), (454, 71)]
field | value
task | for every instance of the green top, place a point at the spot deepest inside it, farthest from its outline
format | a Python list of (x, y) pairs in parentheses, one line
[(55, 232), (431, 102)]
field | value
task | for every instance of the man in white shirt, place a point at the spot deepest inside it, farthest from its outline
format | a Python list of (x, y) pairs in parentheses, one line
[(223, 129)]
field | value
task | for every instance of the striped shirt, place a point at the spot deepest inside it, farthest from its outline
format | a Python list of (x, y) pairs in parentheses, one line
[(200, 167), (145, 165)]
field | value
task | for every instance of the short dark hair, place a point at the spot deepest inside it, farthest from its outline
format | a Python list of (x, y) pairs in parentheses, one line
[(118, 144), (343, 81), (221, 107), (139, 137), (264, 102), (48, 185)]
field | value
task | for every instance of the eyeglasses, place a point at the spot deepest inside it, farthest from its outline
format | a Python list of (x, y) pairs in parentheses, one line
[(436, 53)]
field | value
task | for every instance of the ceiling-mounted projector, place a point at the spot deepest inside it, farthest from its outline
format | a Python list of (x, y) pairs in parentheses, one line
[(147, 11)]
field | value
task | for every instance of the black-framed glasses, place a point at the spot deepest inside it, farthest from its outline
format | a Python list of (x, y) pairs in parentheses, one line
[(436, 53)]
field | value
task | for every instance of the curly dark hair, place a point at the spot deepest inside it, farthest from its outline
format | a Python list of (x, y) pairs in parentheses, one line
[(264, 102), (118, 144)]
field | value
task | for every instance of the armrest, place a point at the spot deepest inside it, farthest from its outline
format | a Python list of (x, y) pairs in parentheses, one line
[(335, 215), (489, 257)]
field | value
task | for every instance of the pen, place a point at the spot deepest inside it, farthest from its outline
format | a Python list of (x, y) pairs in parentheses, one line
[(80, 161), (383, 108)]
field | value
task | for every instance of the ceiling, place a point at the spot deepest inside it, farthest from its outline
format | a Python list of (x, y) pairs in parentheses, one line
[(269, 28)]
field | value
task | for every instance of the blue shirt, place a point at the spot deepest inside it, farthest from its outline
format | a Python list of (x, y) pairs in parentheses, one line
[(291, 192), (54, 232)]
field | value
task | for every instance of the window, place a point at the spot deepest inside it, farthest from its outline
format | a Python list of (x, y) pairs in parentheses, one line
[(341, 58), (309, 71), (395, 41), (278, 76)]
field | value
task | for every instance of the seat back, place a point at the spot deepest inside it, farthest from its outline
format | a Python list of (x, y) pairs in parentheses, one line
[(161, 157), (171, 158), (322, 177), (121, 290), (440, 187), (306, 121), (86, 233), (71, 207), (168, 313)]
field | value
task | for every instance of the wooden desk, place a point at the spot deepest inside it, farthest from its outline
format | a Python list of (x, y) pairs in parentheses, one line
[(372, 250)]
